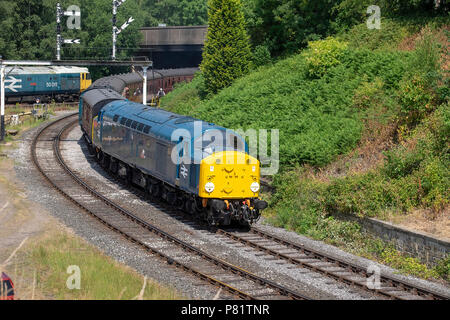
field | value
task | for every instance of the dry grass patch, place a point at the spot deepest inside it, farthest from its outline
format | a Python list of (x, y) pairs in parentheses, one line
[(47, 261)]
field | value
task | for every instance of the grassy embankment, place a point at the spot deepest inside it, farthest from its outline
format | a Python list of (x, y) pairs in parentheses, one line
[(364, 126)]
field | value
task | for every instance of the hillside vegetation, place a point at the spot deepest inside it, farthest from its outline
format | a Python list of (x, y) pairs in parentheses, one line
[(364, 126)]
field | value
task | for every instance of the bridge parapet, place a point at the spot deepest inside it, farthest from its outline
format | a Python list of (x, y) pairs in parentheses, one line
[(174, 36)]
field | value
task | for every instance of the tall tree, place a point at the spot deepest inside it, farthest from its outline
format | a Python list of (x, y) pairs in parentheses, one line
[(227, 53)]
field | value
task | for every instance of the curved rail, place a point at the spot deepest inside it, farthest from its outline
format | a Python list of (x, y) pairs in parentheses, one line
[(390, 287), (185, 246)]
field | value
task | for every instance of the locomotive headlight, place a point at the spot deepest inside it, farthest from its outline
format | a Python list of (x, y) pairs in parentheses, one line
[(209, 187), (254, 187)]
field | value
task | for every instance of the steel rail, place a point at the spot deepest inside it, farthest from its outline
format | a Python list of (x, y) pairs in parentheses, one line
[(224, 265), (170, 260), (355, 269), (349, 267)]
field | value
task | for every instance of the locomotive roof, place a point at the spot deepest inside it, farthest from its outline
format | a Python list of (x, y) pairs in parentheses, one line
[(163, 123), (45, 70)]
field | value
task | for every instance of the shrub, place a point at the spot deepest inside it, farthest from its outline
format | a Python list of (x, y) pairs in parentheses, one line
[(400, 163), (427, 56), (369, 94), (443, 268), (435, 183), (227, 53), (261, 56), (324, 54), (407, 264), (415, 99)]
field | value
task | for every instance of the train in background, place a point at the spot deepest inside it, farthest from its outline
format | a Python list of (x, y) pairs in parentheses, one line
[(28, 84), (217, 181), (130, 85)]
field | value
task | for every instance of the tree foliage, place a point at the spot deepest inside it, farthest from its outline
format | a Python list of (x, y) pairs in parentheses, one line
[(227, 54), (29, 26), (285, 26)]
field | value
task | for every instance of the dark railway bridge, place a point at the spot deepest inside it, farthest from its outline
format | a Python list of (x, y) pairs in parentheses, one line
[(173, 47)]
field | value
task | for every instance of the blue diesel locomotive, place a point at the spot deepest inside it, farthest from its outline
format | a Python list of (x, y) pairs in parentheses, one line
[(26, 84), (205, 170)]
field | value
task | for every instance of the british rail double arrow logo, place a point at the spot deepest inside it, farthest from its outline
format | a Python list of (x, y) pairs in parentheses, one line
[(13, 84), (184, 171)]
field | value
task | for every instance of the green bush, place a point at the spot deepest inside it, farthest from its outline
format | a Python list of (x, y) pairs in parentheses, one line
[(415, 99), (324, 54), (400, 163), (435, 183), (261, 56), (369, 94), (227, 52), (443, 268)]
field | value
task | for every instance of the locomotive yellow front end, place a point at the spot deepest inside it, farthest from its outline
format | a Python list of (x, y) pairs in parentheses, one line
[(229, 185)]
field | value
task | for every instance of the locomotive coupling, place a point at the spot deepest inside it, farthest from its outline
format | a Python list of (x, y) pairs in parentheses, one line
[(218, 205), (260, 204)]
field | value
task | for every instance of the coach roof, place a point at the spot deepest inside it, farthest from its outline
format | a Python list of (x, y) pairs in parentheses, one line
[(92, 97)]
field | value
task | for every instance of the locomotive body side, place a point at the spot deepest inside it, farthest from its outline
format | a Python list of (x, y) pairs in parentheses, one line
[(136, 141), (29, 83)]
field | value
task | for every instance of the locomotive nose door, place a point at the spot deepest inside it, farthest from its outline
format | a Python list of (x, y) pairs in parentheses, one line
[(183, 162)]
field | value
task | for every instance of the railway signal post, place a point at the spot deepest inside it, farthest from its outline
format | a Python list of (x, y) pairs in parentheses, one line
[(116, 31), (59, 39), (144, 86)]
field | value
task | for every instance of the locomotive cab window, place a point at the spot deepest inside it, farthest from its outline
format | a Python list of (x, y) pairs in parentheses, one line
[(116, 117)]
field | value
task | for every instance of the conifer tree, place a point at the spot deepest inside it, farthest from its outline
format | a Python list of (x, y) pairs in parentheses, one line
[(227, 53)]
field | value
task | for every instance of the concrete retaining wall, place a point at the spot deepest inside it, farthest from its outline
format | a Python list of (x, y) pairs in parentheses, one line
[(417, 244)]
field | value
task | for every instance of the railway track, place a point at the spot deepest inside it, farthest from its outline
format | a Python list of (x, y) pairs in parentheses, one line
[(304, 257), (46, 156), (327, 265)]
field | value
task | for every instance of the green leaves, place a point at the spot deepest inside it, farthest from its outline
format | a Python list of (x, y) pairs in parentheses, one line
[(324, 54), (227, 54)]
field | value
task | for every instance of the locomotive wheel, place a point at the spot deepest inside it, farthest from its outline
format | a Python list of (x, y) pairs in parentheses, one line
[(106, 161), (154, 190), (129, 176), (99, 155)]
